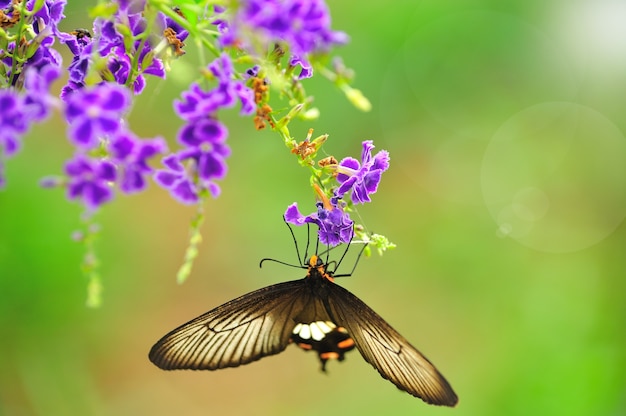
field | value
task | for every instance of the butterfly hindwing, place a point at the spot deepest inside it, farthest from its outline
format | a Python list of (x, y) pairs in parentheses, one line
[(388, 351), (238, 332)]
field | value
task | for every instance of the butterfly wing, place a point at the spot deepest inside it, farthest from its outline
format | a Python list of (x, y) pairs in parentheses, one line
[(238, 332), (388, 351)]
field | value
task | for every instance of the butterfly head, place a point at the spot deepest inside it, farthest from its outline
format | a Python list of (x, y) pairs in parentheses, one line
[(318, 267)]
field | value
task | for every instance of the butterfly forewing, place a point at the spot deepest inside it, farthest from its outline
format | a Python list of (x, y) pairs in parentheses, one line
[(388, 351), (240, 331)]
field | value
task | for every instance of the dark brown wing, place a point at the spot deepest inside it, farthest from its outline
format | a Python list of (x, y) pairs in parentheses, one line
[(238, 332), (388, 351)]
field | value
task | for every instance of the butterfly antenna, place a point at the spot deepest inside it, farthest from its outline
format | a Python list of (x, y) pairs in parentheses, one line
[(346, 250), (317, 246), (299, 266), (355, 263), (295, 242), (308, 241), (327, 254)]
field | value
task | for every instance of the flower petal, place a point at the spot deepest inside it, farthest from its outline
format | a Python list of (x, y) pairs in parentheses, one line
[(381, 160), (293, 215), (166, 178), (366, 153), (211, 167), (185, 192)]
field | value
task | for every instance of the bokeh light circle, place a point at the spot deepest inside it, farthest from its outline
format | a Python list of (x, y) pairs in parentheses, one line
[(553, 177)]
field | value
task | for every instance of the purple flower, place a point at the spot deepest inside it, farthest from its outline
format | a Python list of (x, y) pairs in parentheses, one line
[(44, 55), (40, 54), (133, 6), (304, 25), (177, 180), (191, 171), (210, 165), (252, 72), (13, 124), (197, 103), (120, 66), (38, 99), (90, 180), (307, 69), (204, 131), (95, 112), (79, 43), (19, 111), (131, 157), (35, 52), (195, 168), (361, 178), (222, 68), (335, 226), (49, 15), (76, 40), (110, 44), (13, 121)]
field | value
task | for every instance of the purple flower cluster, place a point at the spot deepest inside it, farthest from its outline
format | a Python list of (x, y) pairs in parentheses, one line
[(20, 111), (128, 56), (95, 117), (13, 126), (38, 50), (195, 168), (360, 179), (301, 25), (108, 66), (37, 98), (31, 67)]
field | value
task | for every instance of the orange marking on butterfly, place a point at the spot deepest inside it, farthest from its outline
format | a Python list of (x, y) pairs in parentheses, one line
[(321, 269), (329, 355), (346, 343)]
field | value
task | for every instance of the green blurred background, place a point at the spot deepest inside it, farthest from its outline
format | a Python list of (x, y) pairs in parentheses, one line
[(506, 196)]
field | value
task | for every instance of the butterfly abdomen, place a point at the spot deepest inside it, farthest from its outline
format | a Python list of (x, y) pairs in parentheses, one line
[(327, 339)]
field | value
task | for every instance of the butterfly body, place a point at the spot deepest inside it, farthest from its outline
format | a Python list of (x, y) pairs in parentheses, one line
[(314, 313)]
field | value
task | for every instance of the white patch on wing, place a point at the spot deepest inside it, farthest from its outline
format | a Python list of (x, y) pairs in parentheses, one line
[(326, 327), (305, 332), (316, 332)]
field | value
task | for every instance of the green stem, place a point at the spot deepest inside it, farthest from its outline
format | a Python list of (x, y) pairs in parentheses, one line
[(90, 264), (16, 58), (194, 242), (193, 30)]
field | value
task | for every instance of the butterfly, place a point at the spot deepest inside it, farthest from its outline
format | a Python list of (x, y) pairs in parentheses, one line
[(313, 313)]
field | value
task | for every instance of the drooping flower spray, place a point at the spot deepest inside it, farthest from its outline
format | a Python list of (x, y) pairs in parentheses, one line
[(249, 50)]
